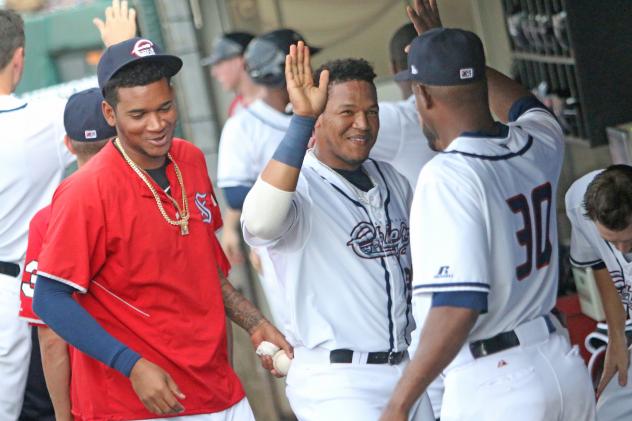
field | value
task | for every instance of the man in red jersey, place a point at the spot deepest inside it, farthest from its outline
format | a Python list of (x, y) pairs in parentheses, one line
[(134, 233)]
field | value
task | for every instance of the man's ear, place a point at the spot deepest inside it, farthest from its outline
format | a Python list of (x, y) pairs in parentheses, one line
[(423, 96), (68, 144), (319, 122), (17, 63), (108, 113)]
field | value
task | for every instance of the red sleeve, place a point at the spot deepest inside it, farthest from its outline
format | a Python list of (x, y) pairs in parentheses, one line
[(74, 247), (37, 229)]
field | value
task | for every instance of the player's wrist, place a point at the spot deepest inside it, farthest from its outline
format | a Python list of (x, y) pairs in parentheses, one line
[(291, 150), (137, 368), (257, 326), (617, 337)]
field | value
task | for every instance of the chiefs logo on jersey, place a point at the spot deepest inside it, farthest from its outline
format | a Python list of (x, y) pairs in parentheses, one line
[(370, 242)]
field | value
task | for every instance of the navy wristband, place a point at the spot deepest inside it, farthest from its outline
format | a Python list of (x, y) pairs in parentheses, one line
[(291, 150)]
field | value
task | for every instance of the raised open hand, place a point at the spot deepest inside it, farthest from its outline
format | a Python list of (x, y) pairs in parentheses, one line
[(425, 15), (119, 25), (307, 100)]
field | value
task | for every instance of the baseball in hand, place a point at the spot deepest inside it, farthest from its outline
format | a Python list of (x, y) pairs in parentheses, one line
[(281, 362), (267, 348)]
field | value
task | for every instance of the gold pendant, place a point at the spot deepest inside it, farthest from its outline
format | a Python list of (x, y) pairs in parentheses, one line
[(184, 228)]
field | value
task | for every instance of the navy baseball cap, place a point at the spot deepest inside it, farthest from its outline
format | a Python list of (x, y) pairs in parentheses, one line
[(265, 55), (229, 45), (132, 50), (83, 118), (445, 57)]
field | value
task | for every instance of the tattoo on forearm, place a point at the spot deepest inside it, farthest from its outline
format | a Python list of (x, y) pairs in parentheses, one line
[(239, 309)]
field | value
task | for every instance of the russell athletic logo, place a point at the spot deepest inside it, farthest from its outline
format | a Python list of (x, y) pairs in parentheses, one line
[(200, 202), (143, 48), (444, 272)]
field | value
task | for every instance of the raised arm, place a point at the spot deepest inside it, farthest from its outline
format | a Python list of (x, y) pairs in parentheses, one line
[(267, 205), (503, 91), (119, 25), (308, 102)]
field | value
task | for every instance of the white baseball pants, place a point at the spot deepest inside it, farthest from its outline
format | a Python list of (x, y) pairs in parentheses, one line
[(241, 411), (543, 379), (15, 349), (318, 390), (615, 402)]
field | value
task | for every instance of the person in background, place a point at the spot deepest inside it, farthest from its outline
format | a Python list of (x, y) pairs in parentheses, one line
[(86, 133), (228, 68)]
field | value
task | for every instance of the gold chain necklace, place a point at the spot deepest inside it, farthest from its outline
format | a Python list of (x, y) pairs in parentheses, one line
[(183, 222)]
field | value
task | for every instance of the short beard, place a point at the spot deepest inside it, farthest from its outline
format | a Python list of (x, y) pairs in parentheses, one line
[(431, 137)]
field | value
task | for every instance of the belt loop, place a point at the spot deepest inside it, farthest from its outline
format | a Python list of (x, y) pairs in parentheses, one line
[(359, 357), (534, 331)]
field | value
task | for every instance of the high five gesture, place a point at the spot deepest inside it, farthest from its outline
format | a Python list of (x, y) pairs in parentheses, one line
[(425, 15), (307, 100)]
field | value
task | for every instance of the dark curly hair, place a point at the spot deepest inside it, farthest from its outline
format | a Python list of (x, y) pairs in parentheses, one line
[(608, 198), (138, 73), (346, 69)]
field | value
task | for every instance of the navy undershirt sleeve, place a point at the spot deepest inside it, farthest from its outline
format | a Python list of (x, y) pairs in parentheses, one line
[(236, 195), (466, 299), (523, 105), (54, 304)]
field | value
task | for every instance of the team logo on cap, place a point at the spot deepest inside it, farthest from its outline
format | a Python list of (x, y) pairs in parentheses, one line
[(143, 48), (467, 73), (90, 134), (413, 69)]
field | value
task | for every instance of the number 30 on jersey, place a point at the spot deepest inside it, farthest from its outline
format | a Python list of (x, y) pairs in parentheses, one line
[(534, 235)]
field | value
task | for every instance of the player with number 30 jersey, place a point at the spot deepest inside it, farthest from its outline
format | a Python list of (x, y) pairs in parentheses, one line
[(493, 197)]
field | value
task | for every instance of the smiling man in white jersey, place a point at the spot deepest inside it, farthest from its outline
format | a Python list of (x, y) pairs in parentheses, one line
[(335, 225), (599, 206), (248, 141), (484, 242)]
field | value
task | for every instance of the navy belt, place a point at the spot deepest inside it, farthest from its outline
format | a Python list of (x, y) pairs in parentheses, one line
[(11, 269), (501, 342), (346, 356)]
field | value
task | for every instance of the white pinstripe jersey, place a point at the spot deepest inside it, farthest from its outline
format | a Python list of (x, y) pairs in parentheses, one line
[(483, 219), (343, 260)]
